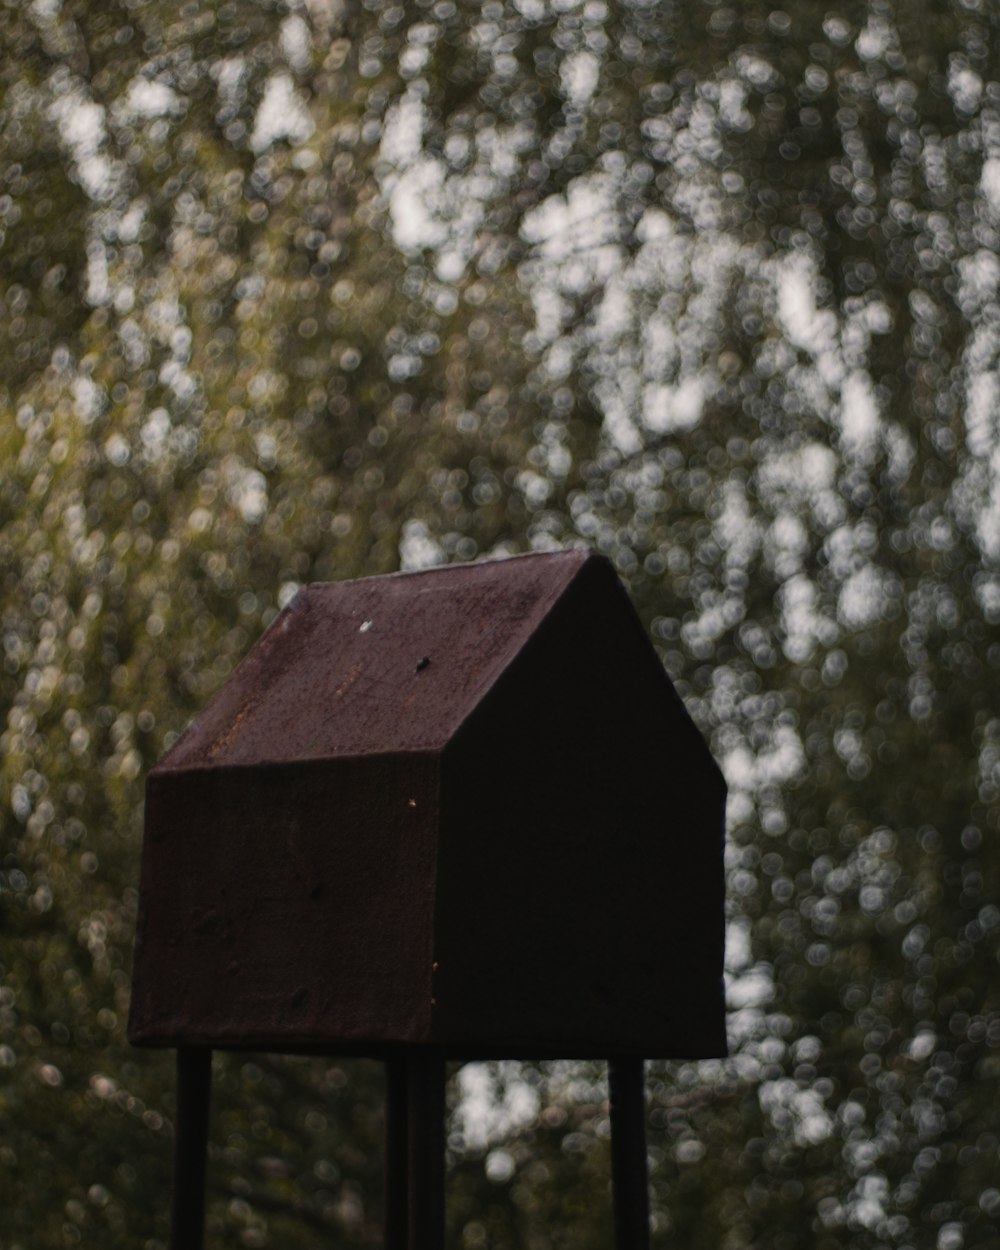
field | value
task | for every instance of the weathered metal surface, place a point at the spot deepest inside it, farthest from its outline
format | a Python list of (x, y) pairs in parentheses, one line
[(377, 666), (461, 809), (580, 886), (288, 905)]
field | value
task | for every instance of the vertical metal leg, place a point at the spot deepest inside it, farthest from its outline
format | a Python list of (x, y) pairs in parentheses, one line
[(187, 1209), (629, 1179), (425, 1079), (396, 1153)]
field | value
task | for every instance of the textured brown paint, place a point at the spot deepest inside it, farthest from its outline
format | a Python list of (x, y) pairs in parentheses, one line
[(377, 666), (287, 905), (461, 809)]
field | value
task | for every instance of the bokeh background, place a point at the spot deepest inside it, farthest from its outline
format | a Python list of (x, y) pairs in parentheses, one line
[(320, 289)]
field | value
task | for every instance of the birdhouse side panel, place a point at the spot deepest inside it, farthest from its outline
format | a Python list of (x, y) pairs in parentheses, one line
[(287, 906)]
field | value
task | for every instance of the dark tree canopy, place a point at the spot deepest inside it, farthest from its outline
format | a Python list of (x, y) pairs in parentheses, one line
[(312, 290)]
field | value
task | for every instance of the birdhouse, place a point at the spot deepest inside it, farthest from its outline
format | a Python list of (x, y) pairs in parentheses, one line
[(460, 813), (462, 808)]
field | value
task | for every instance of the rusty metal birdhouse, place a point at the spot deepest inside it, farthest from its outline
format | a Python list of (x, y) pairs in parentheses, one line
[(455, 813)]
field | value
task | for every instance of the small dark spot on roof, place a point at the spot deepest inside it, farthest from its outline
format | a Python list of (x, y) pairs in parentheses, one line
[(422, 664)]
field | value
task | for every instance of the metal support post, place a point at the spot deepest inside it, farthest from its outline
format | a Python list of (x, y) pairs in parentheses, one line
[(396, 1154), (425, 1128), (629, 1178), (187, 1208)]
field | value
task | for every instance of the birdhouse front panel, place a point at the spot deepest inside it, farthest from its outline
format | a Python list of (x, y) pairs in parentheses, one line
[(579, 907)]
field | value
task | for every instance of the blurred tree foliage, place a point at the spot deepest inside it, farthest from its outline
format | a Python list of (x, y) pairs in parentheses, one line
[(300, 291)]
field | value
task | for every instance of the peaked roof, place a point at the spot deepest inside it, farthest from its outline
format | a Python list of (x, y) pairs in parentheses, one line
[(380, 665)]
